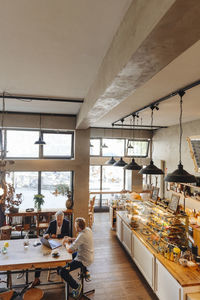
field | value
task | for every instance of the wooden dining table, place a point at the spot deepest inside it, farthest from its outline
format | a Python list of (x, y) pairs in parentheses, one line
[(20, 257)]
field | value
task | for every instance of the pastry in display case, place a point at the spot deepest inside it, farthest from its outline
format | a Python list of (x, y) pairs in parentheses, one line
[(161, 229)]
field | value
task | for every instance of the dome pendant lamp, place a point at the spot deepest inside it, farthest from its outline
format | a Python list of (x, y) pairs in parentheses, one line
[(111, 161), (151, 168), (40, 141), (132, 165), (121, 162), (180, 175)]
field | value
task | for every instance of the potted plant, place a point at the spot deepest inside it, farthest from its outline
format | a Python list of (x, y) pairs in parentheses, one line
[(39, 201), (63, 189)]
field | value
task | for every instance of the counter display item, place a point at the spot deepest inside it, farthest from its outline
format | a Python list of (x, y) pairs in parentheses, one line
[(162, 230)]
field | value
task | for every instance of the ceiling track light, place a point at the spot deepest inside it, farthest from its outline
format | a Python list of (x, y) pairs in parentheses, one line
[(180, 175)]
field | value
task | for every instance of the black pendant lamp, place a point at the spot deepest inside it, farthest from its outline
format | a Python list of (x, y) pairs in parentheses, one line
[(120, 163), (180, 175), (40, 141), (111, 161), (151, 169), (133, 166)]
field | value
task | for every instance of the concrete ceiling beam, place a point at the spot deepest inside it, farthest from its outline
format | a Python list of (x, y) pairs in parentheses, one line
[(152, 34)]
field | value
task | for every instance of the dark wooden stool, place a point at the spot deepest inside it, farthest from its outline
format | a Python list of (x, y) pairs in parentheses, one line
[(84, 294), (33, 294)]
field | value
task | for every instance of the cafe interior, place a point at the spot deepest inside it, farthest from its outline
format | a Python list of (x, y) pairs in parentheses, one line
[(100, 118)]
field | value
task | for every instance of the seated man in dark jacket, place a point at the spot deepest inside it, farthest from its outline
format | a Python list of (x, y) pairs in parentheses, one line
[(58, 228)]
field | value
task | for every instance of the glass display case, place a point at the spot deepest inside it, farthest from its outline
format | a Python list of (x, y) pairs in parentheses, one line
[(161, 229)]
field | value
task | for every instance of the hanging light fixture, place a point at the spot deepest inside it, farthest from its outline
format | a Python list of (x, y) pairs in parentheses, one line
[(151, 168), (40, 141), (180, 175), (111, 161), (133, 165), (121, 162), (104, 144)]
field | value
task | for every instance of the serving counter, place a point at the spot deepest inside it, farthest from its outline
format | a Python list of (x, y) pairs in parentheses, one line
[(168, 279)]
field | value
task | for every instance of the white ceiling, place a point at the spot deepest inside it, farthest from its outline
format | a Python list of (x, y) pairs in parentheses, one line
[(54, 48)]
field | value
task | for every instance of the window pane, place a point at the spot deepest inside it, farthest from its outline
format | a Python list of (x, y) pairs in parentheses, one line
[(112, 178), (54, 187), (139, 148), (57, 144), (25, 183), (20, 143), (94, 184), (95, 150), (115, 147)]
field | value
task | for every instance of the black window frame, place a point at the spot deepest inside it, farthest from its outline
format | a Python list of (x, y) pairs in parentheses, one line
[(40, 153)]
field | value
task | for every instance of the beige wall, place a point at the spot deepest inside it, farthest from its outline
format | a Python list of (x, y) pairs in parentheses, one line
[(166, 147), (80, 165)]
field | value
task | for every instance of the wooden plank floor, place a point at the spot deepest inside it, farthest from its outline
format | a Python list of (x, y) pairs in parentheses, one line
[(114, 275)]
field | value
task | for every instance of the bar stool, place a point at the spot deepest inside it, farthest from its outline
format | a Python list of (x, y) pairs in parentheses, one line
[(5, 232), (33, 294), (84, 294), (7, 295)]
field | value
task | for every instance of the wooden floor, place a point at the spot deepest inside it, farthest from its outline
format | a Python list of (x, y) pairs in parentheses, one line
[(114, 275)]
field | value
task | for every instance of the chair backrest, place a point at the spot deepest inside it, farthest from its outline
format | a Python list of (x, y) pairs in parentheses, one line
[(6, 295), (91, 204)]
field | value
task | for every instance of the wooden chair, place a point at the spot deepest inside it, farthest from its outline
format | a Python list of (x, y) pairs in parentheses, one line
[(33, 294), (6, 295), (91, 212), (5, 232)]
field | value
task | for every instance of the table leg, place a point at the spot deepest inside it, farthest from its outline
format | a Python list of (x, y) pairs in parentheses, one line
[(27, 277), (66, 291), (9, 280)]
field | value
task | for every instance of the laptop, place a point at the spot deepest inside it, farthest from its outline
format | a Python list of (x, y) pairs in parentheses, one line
[(50, 243)]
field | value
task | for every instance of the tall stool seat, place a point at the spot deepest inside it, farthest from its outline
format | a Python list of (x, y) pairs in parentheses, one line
[(33, 294), (84, 294)]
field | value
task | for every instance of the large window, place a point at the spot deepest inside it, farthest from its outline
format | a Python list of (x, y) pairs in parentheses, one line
[(53, 185), (115, 147), (137, 148), (119, 147), (21, 144), (25, 183), (112, 178), (58, 144)]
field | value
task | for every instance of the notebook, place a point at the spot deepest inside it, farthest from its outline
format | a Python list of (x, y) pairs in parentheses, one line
[(50, 243)]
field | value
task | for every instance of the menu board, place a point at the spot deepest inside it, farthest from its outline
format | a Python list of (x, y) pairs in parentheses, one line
[(173, 205), (155, 192), (196, 149)]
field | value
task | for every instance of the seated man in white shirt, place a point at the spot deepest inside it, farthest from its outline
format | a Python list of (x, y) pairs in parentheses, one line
[(83, 244)]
